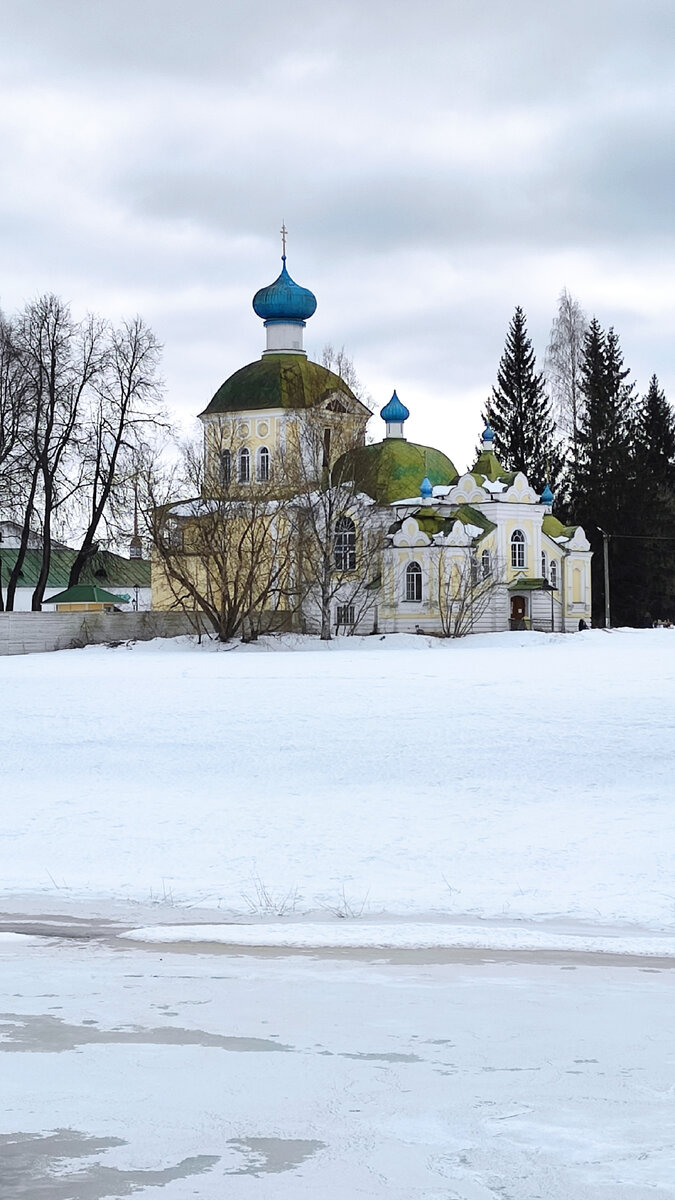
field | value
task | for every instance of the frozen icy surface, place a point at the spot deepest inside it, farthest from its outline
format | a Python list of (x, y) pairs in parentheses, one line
[(131, 1071)]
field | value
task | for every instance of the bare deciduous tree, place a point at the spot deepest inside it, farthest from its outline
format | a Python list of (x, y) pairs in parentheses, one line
[(465, 589), (77, 403), (563, 367), (60, 359), (342, 364), (338, 529), (225, 553), (122, 414)]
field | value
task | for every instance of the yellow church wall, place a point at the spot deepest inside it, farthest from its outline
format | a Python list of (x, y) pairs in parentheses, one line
[(531, 528), (281, 432)]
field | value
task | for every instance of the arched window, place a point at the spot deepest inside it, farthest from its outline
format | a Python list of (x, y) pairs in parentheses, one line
[(486, 565), (554, 573), (225, 467), (544, 565), (413, 582), (263, 464), (344, 544), (244, 465), (518, 549)]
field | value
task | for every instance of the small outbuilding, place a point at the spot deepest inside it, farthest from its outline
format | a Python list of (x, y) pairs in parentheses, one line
[(86, 598)]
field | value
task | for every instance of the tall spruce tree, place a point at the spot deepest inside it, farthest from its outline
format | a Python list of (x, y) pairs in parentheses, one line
[(654, 551), (519, 411), (604, 471), (656, 437), (604, 492)]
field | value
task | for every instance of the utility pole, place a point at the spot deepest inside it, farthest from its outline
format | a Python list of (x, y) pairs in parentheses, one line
[(605, 550)]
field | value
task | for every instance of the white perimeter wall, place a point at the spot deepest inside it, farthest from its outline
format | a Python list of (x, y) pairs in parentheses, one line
[(29, 633)]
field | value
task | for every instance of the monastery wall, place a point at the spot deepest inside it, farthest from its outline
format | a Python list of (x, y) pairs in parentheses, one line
[(34, 632)]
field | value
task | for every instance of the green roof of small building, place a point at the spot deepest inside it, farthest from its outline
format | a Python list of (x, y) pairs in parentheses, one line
[(554, 528), (104, 567), (530, 585), (394, 469), (488, 466), (86, 594), (431, 522), (277, 381)]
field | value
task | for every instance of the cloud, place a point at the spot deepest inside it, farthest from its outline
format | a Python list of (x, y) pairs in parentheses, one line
[(436, 164)]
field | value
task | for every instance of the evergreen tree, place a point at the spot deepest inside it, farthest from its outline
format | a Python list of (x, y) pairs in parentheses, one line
[(656, 437), (654, 551), (604, 492), (519, 411)]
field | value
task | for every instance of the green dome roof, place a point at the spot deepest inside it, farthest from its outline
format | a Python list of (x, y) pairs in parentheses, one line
[(394, 469), (277, 381)]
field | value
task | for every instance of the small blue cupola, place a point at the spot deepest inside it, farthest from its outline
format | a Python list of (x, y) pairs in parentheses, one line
[(547, 498), (394, 413), (426, 490), (488, 438), (284, 306)]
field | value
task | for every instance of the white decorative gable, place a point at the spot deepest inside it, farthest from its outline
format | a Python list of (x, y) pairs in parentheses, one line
[(520, 492), (459, 535), (410, 534), (467, 491), (579, 541)]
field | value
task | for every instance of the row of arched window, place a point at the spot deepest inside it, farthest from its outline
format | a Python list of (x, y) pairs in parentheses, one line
[(413, 576), (262, 465)]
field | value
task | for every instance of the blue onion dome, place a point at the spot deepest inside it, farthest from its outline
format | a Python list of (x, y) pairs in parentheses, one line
[(284, 300), (394, 410), (547, 495), (426, 490), (488, 434)]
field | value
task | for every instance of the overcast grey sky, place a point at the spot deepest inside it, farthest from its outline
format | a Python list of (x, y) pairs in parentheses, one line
[(436, 163)]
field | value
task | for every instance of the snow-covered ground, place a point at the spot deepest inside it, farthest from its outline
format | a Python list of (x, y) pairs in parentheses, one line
[(129, 1071), (385, 918), (502, 778)]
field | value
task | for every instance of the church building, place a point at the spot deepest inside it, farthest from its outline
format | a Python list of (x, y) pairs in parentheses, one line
[(414, 546)]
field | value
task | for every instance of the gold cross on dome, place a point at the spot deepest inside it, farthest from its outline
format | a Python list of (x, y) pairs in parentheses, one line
[(284, 231)]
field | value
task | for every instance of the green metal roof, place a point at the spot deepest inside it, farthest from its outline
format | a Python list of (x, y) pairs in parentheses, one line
[(394, 469), (488, 466), (277, 381), (554, 528), (432, 522), (104, 568), (86, 594), (530, 585)]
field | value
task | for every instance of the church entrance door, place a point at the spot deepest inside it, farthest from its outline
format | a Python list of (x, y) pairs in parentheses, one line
[(518, 610)]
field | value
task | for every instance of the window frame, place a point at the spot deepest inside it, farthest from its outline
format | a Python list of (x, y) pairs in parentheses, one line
[(344, 544), (341, 611), (518, 550), (413, 583), (244, 456), (225, 467), (554, 573), (263, 457)]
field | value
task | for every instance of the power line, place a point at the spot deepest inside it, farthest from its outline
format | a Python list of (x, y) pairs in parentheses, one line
[(643, 537)]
